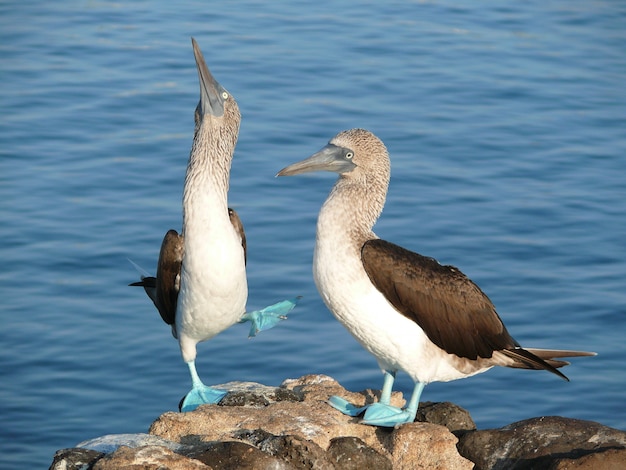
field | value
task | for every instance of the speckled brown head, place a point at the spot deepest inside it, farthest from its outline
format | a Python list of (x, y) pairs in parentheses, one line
[(353, 154), (362, 162)]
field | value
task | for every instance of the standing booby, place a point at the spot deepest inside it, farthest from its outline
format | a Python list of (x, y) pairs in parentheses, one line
[(200, 288), (410, 312)]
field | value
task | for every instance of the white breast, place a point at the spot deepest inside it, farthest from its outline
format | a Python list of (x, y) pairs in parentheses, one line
[(397, 342), (214, 288)]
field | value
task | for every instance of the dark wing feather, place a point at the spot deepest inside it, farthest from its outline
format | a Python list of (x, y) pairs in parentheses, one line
[(168, 275), (163, 289), (236, 221), (149, 285), (453, 312)]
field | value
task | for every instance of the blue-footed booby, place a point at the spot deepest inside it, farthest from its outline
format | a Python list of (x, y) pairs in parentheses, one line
[(201, 288), (412, 313)]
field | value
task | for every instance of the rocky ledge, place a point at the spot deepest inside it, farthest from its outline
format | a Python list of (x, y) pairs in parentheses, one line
[(258, 427)]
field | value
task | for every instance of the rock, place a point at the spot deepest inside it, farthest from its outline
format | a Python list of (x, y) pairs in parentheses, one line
[(110, 442), (545, 443), (609, 459), (300, 432), (254, 394), (75, 459), (351, 453), (148, 458), (321, 387), (425, 446), (235, 455), (297, 452), (257, 427), (456, 419)]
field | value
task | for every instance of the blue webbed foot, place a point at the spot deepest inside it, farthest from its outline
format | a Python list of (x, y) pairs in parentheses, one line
[(345, 406), (269, 316), (378, 414), (382, 413), (201, 395)]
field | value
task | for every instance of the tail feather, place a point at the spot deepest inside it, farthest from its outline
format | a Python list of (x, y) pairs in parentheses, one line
[(523, 359), (542, 359), (554, 353)]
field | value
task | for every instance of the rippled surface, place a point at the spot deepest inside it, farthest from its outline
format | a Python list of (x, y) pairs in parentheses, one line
[(506, 128)]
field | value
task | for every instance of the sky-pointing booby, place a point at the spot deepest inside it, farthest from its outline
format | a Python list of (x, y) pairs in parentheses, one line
[(200, 288), (412, 313)]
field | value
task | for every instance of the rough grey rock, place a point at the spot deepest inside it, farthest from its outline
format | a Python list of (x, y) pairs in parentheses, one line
[(254, 394), (456, 419), (235, 455), (351, 453), (75, 459), (297, 452), (544, 443), (110, 442)]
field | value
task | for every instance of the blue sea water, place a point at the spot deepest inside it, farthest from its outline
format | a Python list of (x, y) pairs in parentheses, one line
[(506, 124)]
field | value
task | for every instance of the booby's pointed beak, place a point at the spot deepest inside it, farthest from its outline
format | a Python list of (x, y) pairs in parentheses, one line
[(212, 94), (330, 158)]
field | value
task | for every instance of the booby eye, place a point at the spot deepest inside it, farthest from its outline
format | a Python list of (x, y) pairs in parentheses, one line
[(349, 155), (224, 95)]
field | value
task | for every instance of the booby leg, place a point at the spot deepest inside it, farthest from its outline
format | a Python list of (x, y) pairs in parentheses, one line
[(349, 409), (390, 416), (269, 316), (200, 394), (385, 394)]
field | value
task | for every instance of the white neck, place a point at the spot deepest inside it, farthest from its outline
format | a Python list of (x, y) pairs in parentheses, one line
[(350, 212)]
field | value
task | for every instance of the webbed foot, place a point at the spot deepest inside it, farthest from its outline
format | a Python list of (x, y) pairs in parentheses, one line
[(201, 395), (378, 414), (345, 406), (382, 413), (269, 316)]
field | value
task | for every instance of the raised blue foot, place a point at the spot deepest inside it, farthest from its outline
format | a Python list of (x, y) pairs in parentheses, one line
[(200, 394), (268, 317)]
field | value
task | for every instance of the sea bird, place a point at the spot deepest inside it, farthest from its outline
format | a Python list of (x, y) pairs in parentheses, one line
[(412, 313), (201, 288)]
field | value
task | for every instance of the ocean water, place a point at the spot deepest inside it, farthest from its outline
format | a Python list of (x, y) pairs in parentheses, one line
[(506, 124)]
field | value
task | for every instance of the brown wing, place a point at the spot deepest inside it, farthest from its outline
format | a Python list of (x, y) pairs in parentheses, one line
[(167, 282), (236, 221), (453, 312)]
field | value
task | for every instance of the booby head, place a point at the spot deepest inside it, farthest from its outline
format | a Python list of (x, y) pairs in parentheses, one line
[(362, 162), (217, 116), (353, 154)]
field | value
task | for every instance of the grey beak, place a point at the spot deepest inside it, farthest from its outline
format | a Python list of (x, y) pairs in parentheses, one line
[(330, 158), (212, 94)]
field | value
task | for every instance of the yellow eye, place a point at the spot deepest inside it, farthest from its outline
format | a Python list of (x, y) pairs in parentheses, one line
[(349, 155), (225, 95)]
